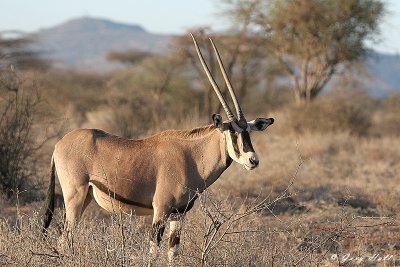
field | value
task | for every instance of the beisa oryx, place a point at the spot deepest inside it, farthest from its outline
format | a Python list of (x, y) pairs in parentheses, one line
[(160, 175)]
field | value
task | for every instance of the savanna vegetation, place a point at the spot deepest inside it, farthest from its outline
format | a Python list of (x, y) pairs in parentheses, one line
[(326, 192)]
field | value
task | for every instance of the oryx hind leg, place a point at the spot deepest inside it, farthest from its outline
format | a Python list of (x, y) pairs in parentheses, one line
[(76, 199), (87, 201)]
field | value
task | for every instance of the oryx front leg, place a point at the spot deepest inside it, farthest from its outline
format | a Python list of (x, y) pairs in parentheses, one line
[(174, 236), (157, 231)]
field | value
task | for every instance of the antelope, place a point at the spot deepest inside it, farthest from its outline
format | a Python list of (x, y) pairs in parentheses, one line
[(161, 175)]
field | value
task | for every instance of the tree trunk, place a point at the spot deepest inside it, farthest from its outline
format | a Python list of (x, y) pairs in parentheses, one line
[(308, 95), (296, 90)]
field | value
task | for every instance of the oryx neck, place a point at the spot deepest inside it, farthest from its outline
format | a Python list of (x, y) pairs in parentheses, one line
[(214, 158)]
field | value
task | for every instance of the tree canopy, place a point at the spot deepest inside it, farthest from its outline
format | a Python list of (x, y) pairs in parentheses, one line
[(16, 51), (311, 39)]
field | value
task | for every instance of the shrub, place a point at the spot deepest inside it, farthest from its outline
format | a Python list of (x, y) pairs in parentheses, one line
[(19, 159), (386, 121), (339, 111)]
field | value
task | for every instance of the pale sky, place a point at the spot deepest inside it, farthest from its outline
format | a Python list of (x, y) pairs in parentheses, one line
[(157, 16)]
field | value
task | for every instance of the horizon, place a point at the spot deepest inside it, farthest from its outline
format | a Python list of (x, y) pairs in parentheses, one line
[(180, 17)]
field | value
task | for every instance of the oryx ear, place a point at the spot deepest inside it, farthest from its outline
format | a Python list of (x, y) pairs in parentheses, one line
[(260, 124), (217, 120)]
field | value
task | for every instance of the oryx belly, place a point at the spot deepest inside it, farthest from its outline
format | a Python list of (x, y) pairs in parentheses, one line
[(108, 201)]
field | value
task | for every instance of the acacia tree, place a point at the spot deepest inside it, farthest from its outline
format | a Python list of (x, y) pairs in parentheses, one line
[(129, 57), (311, 39), (15, 51)]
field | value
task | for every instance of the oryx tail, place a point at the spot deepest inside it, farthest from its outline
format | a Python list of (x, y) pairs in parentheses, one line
[(49, 208)]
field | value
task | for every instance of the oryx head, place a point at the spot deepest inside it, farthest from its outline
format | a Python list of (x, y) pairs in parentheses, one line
[(236, 130)]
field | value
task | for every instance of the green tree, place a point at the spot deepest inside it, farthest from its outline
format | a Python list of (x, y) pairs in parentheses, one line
[(16, 51), (128, 57), (311, 39)]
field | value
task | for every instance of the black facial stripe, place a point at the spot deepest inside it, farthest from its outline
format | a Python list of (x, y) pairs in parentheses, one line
[(247, 146), (235, 144)]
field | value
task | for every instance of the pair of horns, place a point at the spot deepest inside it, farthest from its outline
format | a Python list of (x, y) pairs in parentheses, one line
[(221, 97)]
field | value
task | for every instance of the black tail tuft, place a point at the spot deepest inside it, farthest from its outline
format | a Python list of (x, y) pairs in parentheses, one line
[(49, 208)]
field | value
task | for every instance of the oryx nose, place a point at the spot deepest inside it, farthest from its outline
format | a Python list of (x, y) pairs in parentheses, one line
[(254, 161)]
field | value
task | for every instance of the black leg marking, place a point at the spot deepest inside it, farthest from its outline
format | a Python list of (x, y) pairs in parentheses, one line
[(157, 232), (174, 239)]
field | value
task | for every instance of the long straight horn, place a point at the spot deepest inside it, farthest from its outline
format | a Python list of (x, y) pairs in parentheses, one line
[(238, 108), (221, 98)]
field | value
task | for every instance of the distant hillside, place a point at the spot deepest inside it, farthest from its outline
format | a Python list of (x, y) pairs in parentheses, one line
[(385, 72), (85, 42)]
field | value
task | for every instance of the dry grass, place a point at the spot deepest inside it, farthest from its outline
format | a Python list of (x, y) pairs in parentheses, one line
[(328, 183), (344, 199)]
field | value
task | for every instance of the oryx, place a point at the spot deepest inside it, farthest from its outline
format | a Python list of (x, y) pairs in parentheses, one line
[(160, 175)]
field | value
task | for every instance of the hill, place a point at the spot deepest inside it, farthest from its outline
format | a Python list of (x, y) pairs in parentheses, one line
[(385, 73), (85, 42)]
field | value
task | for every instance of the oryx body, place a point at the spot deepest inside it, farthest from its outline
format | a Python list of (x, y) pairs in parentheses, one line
[(162, 172), (160, 175)]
